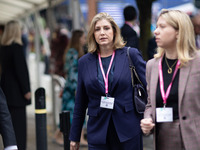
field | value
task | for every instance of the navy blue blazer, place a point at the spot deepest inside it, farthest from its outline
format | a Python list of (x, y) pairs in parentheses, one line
[(89, 92)]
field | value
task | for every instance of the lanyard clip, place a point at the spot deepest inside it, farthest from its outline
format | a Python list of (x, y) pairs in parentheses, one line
[(106, 94), (164, 105)]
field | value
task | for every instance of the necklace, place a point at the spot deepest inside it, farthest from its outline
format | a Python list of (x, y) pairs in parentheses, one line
[(170, 68)]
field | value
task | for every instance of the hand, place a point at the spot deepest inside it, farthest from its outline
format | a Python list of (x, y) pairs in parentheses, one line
[(13, 147), (147, 125), (74, 145), (61, 93), (28, 95)]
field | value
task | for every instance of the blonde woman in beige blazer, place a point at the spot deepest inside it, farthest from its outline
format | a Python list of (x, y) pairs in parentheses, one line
[(174, 118)]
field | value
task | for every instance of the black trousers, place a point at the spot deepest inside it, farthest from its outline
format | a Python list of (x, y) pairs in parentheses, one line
[(18, 115), (113, 142)]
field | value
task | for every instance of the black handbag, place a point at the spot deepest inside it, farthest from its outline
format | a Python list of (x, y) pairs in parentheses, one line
[(139, 91)]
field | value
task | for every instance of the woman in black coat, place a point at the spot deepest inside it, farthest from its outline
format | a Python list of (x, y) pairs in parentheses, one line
[(15, 79)]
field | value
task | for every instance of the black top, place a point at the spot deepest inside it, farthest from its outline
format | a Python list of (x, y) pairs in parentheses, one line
[(105, 62), (172, 100), (15, 81)]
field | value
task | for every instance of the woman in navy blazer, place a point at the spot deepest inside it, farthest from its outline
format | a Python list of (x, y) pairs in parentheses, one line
[(113, 123)]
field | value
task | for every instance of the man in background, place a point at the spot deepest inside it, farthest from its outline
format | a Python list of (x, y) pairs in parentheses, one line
[(196, 23), (6, 127), (128, 33)]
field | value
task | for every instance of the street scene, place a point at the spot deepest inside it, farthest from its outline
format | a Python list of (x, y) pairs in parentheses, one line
[(117, 70)]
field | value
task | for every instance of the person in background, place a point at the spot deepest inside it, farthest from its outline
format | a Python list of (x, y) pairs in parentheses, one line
[(25, 41), (1, 31), (173, 83), (128, 33), (6, 127), (196, 23), (71, 56), (15, 80), (104, 87), (58, 45), (151, 48)]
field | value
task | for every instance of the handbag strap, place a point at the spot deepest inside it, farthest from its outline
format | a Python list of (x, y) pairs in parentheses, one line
[(132, 68)]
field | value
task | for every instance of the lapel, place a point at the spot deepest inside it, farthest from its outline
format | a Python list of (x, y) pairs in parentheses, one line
[(120, 57), (154, 83), (183, 78), (92, 69)]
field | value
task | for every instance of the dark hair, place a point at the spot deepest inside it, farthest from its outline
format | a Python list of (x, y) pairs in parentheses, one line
[(75, 39), (75, 42), (2, 27), (130, 13)]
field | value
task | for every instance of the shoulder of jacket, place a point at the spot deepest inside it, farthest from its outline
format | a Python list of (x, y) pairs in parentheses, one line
[(87, 56), (133, 51), (196, 58), (198, 54), (152, 61), (16, 44)]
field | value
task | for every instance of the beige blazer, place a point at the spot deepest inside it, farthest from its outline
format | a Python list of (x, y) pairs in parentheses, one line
[(189, 99)]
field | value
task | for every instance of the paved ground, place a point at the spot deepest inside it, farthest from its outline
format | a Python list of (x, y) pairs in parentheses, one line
[(31, 142), (148, 141), (32, 136)]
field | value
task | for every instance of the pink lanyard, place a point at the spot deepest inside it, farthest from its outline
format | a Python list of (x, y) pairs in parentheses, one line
[(166, 95), (106, 77)]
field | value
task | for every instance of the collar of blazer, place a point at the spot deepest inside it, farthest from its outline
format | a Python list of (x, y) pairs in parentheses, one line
[(183, 78), (120, 57)]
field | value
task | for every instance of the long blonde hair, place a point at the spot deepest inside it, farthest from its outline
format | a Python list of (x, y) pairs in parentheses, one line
[(117, 41), (185, 45), (12, 33)]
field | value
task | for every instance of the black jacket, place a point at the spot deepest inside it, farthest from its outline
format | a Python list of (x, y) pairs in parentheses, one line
[(14, 78), (130, 36)]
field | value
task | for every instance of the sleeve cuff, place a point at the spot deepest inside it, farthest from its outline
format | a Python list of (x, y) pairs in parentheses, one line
[(14, 147)]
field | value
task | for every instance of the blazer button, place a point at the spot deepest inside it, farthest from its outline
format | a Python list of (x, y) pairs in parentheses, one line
[(184, 117)]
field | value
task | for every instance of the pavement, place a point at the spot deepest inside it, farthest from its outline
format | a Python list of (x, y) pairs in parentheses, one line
[(31, 141), (31, 137)]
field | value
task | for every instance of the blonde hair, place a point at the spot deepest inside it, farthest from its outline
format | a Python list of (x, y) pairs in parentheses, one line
[(12, 33), (185, 45), (117, 40)]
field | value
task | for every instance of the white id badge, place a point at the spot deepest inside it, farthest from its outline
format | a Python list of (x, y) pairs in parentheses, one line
[(107, 102), (164, 114)]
